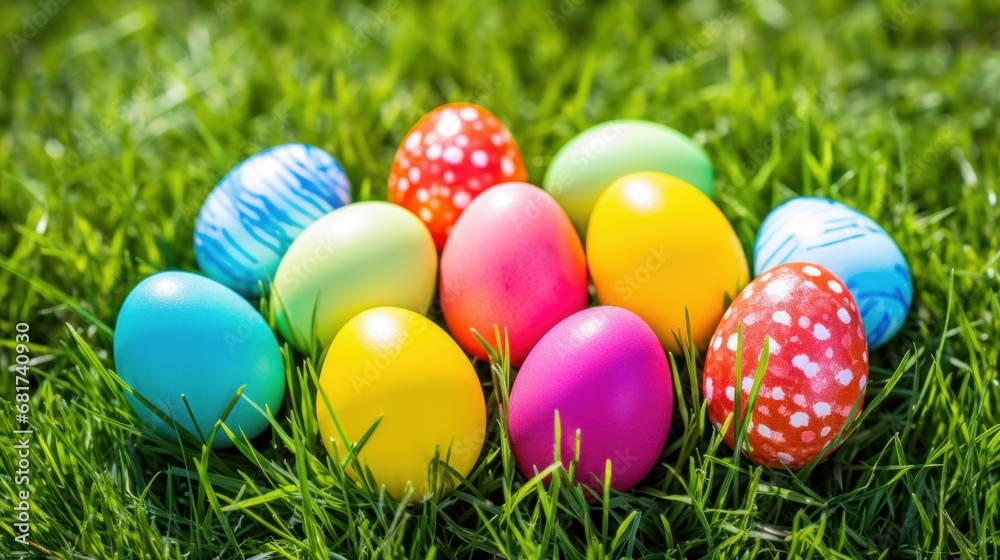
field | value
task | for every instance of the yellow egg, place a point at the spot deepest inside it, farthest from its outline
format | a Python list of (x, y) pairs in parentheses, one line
[(657, 245), (397, 365)]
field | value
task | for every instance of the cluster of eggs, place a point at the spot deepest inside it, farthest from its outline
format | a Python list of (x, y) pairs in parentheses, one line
[(625, 206)]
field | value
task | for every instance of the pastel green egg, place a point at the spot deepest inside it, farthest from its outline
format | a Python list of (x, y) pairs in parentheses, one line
[(360, 256), (598, 156)]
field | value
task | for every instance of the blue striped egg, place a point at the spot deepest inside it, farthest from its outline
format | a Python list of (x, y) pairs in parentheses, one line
[(849, 244), (252, 216)]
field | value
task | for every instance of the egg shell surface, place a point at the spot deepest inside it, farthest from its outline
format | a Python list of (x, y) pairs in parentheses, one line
[(604, 371), (180, 335), (849, 244), (657, 246), (447, 159), (600, 155), (513, 260), (817, 364), (365, 255), (252, 216), (397, 365)]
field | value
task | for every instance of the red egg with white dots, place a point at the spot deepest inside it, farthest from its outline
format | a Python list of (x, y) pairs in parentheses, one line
[(817, 366), (450, 156)]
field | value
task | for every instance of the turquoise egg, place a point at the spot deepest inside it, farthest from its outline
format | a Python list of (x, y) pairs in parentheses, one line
[(183, 336), (252, 216), (849, 244)]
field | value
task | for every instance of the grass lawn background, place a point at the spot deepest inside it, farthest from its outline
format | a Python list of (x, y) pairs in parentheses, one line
[(116, 120)]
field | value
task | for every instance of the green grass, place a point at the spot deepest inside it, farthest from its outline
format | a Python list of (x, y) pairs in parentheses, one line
[(115, 122)]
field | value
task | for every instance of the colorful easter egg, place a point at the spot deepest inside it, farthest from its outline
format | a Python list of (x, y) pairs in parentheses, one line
[(659, 247), (365, 255), (603, 370), (252, 216), (600, 155), (852, 246), (514, 261), (817, 364), (450, 156), (396, 368), (185, 342)]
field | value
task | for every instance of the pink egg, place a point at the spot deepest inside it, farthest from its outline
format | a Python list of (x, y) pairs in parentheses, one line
[(605, 372), (512, 260)]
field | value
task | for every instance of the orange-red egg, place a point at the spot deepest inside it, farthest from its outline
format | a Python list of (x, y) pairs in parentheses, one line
[(817, 364), (515, 261), (448, 158)]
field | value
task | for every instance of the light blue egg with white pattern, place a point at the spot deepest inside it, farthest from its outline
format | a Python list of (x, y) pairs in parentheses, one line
[(849, 244), (252, 216)]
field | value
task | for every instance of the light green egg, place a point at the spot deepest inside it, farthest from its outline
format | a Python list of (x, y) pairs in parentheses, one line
[(598, 156), (360, 256)]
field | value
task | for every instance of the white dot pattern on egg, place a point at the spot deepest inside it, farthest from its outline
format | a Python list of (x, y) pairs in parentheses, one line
[(816, 369), (458, 150)]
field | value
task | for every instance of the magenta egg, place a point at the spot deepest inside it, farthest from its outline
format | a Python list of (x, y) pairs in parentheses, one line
[(515, 261), (605, 372)]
